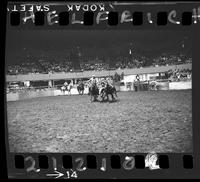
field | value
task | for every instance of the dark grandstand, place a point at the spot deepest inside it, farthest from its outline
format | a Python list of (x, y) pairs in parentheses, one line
[(55, 52)]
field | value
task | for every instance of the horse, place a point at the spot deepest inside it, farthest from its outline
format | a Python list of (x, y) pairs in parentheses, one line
[(63, 89), (108, 90), (66, 88), (80, 88), (153, 85), (93, 92)]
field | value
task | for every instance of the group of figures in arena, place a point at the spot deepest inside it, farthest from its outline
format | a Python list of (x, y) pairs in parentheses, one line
[(99, 90), (66, 87)]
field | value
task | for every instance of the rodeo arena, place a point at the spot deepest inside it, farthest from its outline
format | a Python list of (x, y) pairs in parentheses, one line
[(91, 106)]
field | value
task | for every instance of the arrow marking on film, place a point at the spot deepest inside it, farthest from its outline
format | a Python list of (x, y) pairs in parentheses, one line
[(58, 175)]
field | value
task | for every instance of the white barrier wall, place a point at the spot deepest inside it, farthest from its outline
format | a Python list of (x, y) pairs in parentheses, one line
[(180, 85), (163, 86), (44, 93), (12, 96)]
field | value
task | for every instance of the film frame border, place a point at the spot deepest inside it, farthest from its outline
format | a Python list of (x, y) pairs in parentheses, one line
[(177, 159), (141, 14), (117, 165)]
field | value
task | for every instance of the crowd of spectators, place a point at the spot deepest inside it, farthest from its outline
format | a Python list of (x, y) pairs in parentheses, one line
[(179, 75), (135, 61), (41, 66), (94, 66), (171, 59)]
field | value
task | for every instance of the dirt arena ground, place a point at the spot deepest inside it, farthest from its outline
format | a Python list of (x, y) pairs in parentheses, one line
[(147, 121)]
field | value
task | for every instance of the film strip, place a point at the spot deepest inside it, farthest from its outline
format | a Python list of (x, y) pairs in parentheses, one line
[(100, 16), (112, 18), (70, 166), (162, 18)]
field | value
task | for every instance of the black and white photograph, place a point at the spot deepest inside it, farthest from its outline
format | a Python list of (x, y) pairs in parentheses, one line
[(99, 91)]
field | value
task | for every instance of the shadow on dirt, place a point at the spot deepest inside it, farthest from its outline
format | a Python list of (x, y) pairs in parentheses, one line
[(105, 101), (109, 101)]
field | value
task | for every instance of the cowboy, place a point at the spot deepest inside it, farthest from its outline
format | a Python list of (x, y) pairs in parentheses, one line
[(109, 81), (93, 88), (103, 85), (137, 77), (93, 80)]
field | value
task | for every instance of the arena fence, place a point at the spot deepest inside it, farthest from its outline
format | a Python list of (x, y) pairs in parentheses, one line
[(46, 92)]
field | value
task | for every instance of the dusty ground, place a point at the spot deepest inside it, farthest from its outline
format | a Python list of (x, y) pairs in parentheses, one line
[(159, 121)]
